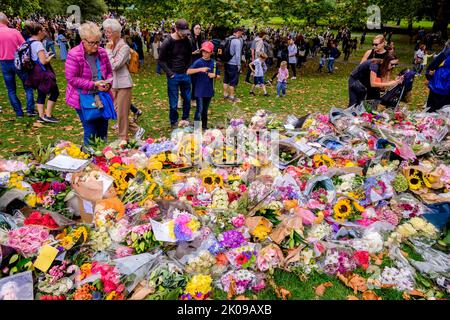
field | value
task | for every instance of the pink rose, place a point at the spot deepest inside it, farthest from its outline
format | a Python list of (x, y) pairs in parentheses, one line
[(307, 216)]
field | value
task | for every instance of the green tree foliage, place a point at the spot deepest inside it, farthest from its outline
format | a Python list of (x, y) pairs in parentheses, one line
[(14, 7)]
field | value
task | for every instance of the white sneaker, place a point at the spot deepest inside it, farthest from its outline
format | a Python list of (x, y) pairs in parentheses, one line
[(293, 78), (115, 127), (139, 134)]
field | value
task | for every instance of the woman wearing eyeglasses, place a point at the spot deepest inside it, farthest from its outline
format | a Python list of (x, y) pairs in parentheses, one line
[(82, 76), (370, 77), (378, 50)]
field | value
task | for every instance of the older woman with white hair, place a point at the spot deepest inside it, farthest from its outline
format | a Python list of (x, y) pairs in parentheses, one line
[(119, 55), (88, 71)]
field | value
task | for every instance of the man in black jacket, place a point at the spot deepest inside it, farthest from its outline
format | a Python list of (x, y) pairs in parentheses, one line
[(175, 58)]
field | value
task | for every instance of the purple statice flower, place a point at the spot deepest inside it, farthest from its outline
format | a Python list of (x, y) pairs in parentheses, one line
[(216, 248), (232, 239), (180, 232), (96, 295)]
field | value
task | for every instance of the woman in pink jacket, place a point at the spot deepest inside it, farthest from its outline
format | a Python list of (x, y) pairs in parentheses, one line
[(82, 76)]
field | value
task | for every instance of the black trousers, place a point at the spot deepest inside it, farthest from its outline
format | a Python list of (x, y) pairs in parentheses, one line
[(437, 101)]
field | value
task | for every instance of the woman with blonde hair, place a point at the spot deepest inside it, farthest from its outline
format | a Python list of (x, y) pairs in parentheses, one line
[(378, 50), (87, 68), (119, 55)]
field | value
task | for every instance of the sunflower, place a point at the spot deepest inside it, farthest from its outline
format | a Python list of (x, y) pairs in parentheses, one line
[(428, 180), (342, 209), (414, 181)]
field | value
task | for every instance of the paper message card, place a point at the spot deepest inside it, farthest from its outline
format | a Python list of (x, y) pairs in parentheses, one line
[(46, 256)]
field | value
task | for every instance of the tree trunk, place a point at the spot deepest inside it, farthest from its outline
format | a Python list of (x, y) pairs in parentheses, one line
[(441, 20), (398, 22)]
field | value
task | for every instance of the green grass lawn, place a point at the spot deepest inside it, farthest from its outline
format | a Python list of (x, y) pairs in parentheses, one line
[(311, 92)]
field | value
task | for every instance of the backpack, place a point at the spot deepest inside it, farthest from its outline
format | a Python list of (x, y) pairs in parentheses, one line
[(22, 57), (133, 64), (223, 53)]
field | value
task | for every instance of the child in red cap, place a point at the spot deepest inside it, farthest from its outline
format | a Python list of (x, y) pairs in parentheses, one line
[(203, 72)]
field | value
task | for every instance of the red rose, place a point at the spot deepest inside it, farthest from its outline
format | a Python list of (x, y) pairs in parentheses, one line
[(362, 258)]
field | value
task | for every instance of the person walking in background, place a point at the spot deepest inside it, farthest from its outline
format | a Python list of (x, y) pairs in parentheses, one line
[(62, 43), (175, 58), (82, 78), (333, 55), (322, 61), (122, 84), (38, 77), (138, 47), (292, 51), (49, 43), (11, 40), (233, 66)]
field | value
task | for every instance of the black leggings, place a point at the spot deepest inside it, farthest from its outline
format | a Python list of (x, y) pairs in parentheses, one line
[(294, 72), (53, 95)]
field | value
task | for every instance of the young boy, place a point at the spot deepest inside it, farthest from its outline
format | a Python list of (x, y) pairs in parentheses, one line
[(283, 75), (259, 68), (203, 72)]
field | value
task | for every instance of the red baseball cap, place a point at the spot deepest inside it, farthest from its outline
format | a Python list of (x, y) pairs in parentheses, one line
[(207, 46)]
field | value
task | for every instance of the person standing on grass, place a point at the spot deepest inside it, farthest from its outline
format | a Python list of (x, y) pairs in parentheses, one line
[(155, 49), (259, 68), (62, 43), (333, 55), (11, 40), (122, 85), (283, 76), (82, 77), (196, 42), (203, 72), (438, 74), (175, 58), (232, 67), (292, 51), (42, 60)]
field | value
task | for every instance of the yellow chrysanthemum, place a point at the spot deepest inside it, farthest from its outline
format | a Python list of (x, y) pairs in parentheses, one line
[(199, 283), (261, 232)]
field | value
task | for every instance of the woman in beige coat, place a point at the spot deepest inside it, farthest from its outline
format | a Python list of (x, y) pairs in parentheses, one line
[(119, 55)]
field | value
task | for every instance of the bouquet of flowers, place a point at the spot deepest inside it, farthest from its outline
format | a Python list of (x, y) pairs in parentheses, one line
[(28, 240), (242, 257), (142, 239), (338, 261), (198, 288), (183, 226), (347, 209), (238, 281), (39, 219)]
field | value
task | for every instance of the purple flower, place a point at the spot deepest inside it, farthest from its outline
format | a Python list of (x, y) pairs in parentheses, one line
[(58, 186), (232, 239)]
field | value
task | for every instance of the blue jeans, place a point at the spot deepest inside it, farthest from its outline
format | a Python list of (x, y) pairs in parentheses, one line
[(281, 88), (9, 74), (201, 114), (94, 128), (330, 64), (158, 68), (180, 82)]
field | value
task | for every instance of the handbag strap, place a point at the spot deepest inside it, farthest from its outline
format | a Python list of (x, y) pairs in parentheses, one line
[(99, 71)]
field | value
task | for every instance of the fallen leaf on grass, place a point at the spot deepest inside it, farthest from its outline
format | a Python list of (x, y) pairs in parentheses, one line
[(352, 298), (406, 296), (320, 290), (68, 128), (241, 297), (370, 295), (354, 281), (37, 125)]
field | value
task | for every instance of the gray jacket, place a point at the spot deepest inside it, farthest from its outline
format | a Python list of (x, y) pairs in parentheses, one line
[(119, 58)]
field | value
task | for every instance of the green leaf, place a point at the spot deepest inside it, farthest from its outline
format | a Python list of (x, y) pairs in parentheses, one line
[(13, 270), (142, 246), (23, 262), (13, 259)]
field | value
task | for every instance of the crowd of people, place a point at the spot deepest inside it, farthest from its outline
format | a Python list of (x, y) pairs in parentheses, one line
[(97, 57)]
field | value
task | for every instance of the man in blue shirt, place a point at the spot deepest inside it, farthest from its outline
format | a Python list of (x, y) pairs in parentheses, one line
[(204, 71), (232, 67)]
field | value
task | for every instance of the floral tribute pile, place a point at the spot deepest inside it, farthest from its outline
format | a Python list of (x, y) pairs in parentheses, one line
[(358, 195)]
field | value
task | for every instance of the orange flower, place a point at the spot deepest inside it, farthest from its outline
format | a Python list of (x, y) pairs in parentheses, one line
[(221, 259), (290, 204)]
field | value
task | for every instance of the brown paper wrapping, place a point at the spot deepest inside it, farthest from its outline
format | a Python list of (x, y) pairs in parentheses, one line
[(252, 222), (287, 224)]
